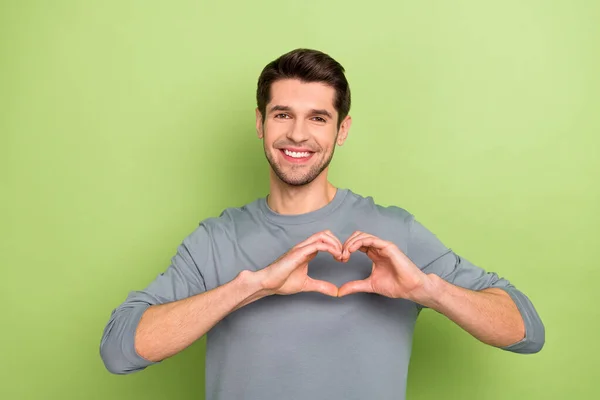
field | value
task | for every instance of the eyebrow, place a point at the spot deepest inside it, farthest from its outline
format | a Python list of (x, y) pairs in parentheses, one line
[(312, 111)]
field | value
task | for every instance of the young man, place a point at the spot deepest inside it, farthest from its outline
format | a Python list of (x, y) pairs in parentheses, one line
[(342, 331)]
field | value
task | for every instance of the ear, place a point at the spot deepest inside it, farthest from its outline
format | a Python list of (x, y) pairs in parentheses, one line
[(259, 124), (344, 128)]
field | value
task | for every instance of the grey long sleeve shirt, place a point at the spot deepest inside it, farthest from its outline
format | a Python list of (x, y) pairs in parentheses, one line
[(308, 345)]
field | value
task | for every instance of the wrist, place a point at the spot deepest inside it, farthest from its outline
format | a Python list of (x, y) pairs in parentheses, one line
[(432, 292), (251, 284)]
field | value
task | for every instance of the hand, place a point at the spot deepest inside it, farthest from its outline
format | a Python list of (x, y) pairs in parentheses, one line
[(289, 273), (393, 273)]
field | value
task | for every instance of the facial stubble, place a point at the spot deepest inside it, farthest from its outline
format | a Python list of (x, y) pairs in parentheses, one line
[(306, 178)]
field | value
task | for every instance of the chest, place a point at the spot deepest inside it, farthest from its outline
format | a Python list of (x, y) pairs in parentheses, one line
[(253, 247)]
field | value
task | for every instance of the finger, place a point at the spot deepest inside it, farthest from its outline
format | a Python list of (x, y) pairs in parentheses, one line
[(362, 286), (364, 249), (348, 246), (314, 285), (367, 241), (317, 246), (325, 240), (335, 239), (290, 260), (351, 247), (325, 236), (355, 234), (308, 240), (316, 236), (345, 254)]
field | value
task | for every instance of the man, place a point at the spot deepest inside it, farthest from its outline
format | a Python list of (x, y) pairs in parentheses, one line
[(313, 291)]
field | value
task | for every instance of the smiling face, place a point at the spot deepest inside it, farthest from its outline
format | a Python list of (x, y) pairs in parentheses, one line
[(300, 130)]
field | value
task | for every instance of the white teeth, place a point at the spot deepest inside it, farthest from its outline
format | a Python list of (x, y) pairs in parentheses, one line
[(296, 154)]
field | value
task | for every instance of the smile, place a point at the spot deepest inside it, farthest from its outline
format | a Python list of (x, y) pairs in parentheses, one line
[(296, 156)]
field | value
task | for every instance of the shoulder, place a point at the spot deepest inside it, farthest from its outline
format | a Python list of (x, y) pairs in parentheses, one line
[(380, 211), (225, 225)]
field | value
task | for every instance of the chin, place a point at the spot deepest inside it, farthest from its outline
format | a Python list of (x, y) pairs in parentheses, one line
[(291, 175), (297, 182), (294, 179)]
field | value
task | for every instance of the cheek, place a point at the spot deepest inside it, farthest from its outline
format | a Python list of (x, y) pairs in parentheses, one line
[(273, 131), (329, 139)]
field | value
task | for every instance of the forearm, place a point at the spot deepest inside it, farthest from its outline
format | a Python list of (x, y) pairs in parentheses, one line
[(489, 315), (167, 329)]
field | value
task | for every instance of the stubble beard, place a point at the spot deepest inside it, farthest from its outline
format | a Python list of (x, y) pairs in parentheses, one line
[(294, 177)]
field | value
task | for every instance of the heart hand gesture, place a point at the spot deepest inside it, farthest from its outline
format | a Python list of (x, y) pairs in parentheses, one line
[(289, 273), (393, 273)]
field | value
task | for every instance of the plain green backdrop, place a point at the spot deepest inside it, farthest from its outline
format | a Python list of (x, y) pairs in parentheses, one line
[(125, 123)]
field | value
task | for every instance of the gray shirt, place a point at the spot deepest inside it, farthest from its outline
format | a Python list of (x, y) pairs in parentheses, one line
[(307, 345)]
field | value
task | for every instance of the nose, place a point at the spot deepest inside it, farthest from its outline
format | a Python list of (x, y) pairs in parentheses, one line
[(298, 132)]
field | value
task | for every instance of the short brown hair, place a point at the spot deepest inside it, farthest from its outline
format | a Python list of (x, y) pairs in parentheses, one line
[(308, 66)]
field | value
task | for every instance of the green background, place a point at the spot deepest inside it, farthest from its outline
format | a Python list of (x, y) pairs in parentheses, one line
[(125, 123)]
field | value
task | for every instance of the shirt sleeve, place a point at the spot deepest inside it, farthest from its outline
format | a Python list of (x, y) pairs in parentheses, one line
[(183, 278), (433, 257)]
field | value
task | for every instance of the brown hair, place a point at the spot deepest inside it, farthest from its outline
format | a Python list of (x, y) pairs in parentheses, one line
[(308, 66)]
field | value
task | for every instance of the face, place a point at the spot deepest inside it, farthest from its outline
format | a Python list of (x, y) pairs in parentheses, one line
[(300, 131)]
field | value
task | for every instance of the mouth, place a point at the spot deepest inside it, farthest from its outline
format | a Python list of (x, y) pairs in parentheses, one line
[(296, 156)]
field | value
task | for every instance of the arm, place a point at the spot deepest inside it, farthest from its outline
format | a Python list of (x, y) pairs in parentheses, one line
[(166, 329), (485, 305), (490, 315), (182, 279), (429, 274), (176, 309)]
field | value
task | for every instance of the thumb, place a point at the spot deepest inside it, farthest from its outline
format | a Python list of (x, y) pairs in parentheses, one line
[(313, 285), (355, 287)]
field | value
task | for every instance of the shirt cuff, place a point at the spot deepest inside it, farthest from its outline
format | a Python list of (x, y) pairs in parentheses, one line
[(534, 329)]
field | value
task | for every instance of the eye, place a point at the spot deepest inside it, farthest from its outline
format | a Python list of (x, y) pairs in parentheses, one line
[(282, 116), (319, 119)]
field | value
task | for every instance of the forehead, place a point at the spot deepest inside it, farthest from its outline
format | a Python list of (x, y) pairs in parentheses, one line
[(302, 95)]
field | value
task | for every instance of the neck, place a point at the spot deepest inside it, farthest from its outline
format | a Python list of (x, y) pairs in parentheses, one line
[(292, 200)]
